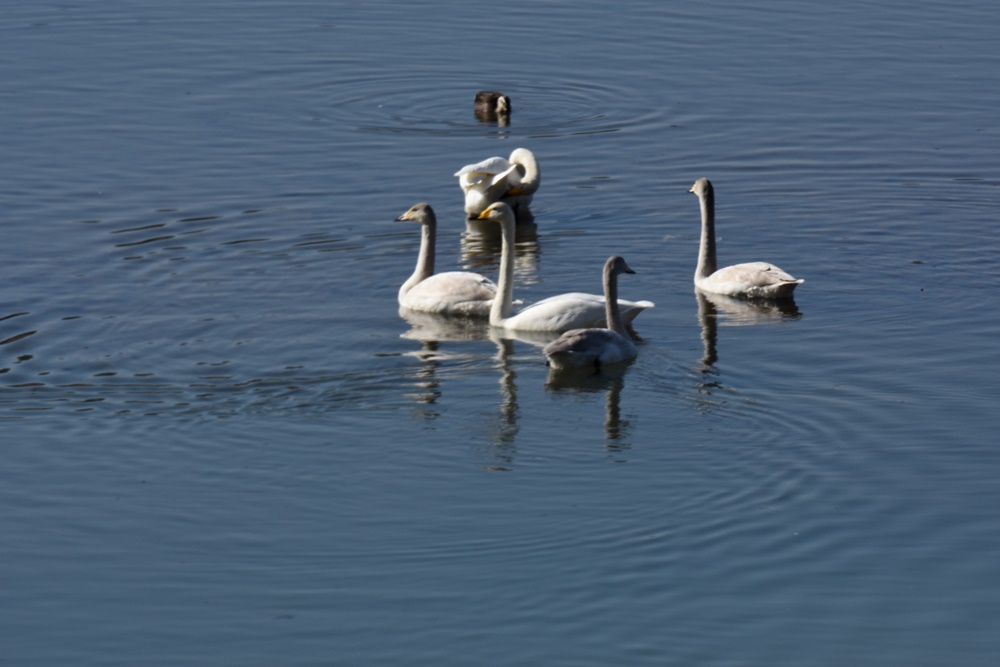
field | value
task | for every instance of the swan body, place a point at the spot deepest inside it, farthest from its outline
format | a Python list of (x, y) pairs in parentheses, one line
[(597, 347), (760, 280), (449, 293), (560, 313), (491, 105), (512, 180)]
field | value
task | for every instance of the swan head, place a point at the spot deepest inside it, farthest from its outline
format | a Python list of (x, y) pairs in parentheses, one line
[(422, 213), (498, 212), (702, 187), (616, 266), (492, 102)]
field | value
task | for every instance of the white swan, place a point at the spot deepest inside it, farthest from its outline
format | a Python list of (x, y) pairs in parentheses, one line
[(585, 348), (491, 105), (753, 279), (560, 313), (449, 293), (511, 180)]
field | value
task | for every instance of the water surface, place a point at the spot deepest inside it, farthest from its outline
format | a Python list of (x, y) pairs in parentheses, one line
[(224, 445)]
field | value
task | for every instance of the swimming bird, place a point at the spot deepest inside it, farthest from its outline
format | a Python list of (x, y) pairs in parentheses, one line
[(753, 279), (491, 105), (512, 180), (574, 310), (449, 293), (597, 347)]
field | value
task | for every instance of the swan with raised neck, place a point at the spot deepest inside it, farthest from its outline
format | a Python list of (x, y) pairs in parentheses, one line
[(574, 310), (753, 279), (448, 293)]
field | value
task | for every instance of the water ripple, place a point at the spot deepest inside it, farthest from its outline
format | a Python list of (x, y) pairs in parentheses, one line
[(434, 106)]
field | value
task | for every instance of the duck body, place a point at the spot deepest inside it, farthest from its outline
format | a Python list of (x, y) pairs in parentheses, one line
[(556, 314), (755, 280), (512, 180), (491, 105), (449, 293), (597, 346)]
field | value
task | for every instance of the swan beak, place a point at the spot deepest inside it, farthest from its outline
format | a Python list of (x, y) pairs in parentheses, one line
[(485, 215), (514, 192), (691, 190)]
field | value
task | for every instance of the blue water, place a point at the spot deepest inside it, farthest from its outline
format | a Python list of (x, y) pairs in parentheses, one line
[(223, 445)]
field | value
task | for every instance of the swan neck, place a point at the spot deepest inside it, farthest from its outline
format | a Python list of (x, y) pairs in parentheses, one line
[(503, 303), (706, 253), (425, 260), (611, 310), (532, 176)]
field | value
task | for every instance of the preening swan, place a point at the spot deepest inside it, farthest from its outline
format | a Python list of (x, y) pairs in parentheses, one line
[(754, 279), (511, 180), (557, 313), (449, 293), (584, 348), (491, 105)]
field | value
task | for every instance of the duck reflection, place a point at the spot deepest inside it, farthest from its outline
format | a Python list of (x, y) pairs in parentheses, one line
[(611, 381)]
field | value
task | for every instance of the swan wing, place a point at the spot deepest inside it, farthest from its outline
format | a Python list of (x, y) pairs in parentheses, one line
[(755, 279), (560, 313), (491, 165), (629, 309), (452, 293), (484, 188)]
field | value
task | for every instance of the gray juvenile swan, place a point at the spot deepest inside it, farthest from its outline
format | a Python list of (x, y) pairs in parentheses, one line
[(753, 279), (560, 313), (584, 348), (511, 180), (449, 293), (491, 105)]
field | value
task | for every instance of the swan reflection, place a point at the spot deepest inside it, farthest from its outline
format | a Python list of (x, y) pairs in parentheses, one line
[(716, 309), (482, 245), (504, 435), (431, 330), (441, 328), (610, 380)]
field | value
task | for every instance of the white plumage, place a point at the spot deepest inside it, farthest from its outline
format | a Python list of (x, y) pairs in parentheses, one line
[(753, 279), (512, 180), (560, 313), (449, 293)]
